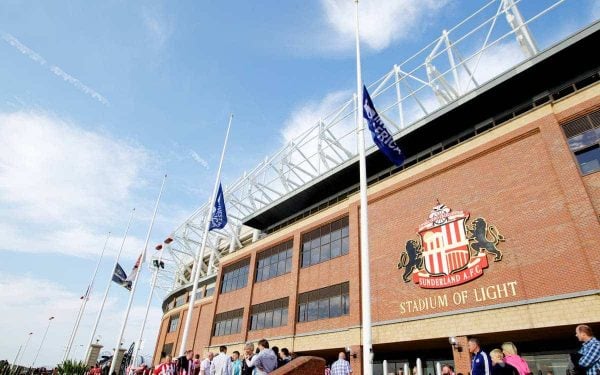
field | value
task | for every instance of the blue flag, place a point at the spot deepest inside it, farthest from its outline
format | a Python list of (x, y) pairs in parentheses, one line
[(381, 136), (120, 277), (219, 215)]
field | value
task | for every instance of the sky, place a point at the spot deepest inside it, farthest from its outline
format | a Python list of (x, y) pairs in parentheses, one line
[(98, 100)]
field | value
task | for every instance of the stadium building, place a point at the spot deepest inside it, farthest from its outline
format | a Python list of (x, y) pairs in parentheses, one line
[(489, 229)]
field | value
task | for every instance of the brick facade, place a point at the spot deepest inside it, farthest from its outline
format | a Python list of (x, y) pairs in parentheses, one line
[(521, 177)]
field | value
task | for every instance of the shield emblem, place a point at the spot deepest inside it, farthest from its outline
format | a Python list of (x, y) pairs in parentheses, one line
[(445, 246)]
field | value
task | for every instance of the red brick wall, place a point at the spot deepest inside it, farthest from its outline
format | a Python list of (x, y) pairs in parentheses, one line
[(302, 366), (525, 182)]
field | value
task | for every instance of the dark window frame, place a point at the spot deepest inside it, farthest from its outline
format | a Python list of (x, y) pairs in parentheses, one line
[(262, 315), (173, 318), (275, 261), (317, 304), (235, 276), (583, 139), (228, 323), (329, 241)]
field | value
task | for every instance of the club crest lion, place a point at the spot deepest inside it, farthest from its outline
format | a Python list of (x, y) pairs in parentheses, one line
[(449, 250)]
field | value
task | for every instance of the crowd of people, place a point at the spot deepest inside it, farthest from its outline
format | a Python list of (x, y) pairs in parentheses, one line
[(506, 360), (259, 361)]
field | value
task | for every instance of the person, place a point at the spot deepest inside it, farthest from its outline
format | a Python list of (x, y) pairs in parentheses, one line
[(341, 366), (512, 358), (279, 360), (499, 366), (285, 355), (480, 364), (236, 363), (265, 361), (166, 367), (222, 362), (185, 363), (197, 364), (447, 369), (206, 366), (590, 349), (248, 354)]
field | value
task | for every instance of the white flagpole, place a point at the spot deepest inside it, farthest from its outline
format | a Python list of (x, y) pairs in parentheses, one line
[(135, 281), (365, 277), (112, 271), (41, 343), (136, 349), (84, 302), (201, 248)]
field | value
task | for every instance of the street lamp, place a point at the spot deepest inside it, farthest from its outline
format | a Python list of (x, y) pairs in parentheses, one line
[(15, 362), (42, 343)]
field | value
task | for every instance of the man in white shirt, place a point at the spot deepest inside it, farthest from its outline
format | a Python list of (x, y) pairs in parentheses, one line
[(207, 367), (222, 362)]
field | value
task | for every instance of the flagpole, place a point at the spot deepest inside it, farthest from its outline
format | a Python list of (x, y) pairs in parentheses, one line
[(365, 276), (202, 247), (84, 303), (112, 271), (136, 349), (135, 281)]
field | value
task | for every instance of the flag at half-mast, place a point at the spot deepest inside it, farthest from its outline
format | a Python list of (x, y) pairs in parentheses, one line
[(381, 136), (87, 293), (120, 277), (134, 271), (218, 219)]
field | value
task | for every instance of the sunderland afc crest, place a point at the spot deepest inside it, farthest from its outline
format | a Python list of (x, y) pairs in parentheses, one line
[(449, 251)]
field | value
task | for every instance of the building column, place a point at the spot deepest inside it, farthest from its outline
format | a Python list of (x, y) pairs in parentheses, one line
[(355, 358), (93, 354), (462, 357)]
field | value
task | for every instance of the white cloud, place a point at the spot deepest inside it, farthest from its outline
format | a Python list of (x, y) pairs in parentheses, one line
[(492, 62), (13, 41), (66, 182), (23, 48), (308, 114), (34, 300), (382, 22), (158, 27), (200, 160), (78, 84)]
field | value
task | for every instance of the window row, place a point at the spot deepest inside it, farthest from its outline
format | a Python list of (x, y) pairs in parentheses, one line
[(235, 276), (173, 322), (324, 303), (228, 323), (269, 314), (274, 261), (583, 137), (326, 242)]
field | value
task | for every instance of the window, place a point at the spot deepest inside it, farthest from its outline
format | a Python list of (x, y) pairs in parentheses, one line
[(167, 349), (173, 322), (210, 290), (274, 261), (583, 136), (228, 323), (180, 301), (269, 314), (235, 276), (326, 242), (324, 303)]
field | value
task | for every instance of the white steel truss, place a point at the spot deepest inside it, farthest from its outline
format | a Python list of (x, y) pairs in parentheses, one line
[(439, 74)]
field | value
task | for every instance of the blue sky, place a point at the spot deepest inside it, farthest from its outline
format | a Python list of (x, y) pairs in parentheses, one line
[(99, 99)]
